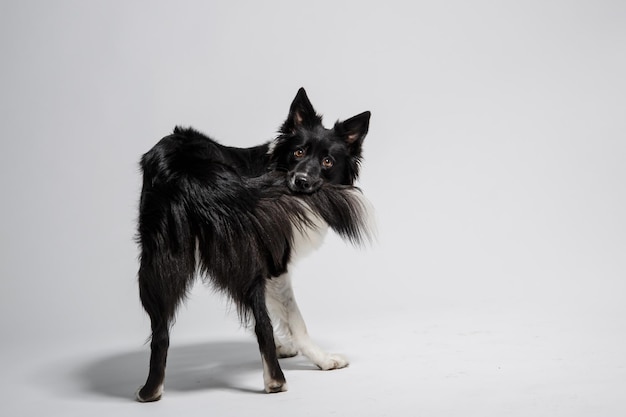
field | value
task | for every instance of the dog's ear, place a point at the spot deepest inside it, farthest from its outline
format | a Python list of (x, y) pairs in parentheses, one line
[(301, 114), (354, 129)]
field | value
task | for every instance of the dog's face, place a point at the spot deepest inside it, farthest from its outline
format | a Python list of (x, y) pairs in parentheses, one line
[(311, 155)]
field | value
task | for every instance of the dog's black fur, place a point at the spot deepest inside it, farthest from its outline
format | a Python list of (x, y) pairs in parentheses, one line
[(231, 214)]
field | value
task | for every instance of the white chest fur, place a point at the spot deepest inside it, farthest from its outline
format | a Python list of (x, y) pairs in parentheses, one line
[(308, 238)]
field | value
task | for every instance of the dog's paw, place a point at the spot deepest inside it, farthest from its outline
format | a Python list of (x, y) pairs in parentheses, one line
[(274, 386), (332, 361), (145, 397), (286, 351)]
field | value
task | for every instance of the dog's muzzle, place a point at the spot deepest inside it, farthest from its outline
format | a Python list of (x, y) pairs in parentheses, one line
[(303, 183)]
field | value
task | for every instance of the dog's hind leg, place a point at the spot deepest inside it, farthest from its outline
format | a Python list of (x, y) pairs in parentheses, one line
[(273, 376), (281, 297), (160, 295)]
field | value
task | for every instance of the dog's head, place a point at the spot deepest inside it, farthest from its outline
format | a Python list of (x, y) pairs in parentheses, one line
[(311, 155)]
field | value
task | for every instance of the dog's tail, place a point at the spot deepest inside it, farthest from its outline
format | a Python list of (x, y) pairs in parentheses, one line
[(343, 207), (346, 210)]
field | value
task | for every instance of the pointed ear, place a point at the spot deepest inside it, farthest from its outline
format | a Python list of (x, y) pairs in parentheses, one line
[(354, 129), (301, 113)]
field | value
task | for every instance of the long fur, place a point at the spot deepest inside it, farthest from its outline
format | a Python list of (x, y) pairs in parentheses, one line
[(232, 215), (243, 232)]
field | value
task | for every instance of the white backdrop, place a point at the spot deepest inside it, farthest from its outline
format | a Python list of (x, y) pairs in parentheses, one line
[(495, 159)]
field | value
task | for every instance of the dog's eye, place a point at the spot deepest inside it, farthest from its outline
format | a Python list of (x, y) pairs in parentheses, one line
[(298, 153), (327, 162)]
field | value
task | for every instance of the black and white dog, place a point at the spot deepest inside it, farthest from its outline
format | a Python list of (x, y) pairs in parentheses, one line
[(239, 217)]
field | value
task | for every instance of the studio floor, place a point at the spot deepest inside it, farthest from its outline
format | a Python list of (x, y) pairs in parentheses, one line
[(440, 365)]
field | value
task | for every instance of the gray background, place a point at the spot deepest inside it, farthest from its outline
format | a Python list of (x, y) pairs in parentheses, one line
[(495, 161)]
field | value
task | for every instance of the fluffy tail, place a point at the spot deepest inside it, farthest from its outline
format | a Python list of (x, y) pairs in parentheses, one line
[(343, 208), (346, 211)]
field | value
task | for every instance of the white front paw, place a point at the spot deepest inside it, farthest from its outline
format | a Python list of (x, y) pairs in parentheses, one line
[(332, 361)]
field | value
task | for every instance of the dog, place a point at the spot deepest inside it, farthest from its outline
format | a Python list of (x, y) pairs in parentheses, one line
[(239, 217)]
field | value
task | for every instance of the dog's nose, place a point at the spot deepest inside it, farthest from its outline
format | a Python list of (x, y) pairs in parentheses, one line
[(302, 182)]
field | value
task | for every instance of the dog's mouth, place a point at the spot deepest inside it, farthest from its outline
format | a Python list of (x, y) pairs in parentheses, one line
[(303, 183)]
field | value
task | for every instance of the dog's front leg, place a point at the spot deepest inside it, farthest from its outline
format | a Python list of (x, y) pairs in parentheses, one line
[(282, 303), (277, 290)]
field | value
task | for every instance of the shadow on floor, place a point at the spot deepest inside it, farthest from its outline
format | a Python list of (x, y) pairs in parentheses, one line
[(204, 366)]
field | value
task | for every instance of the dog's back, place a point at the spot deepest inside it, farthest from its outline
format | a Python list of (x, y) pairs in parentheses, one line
[(187, 152)]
